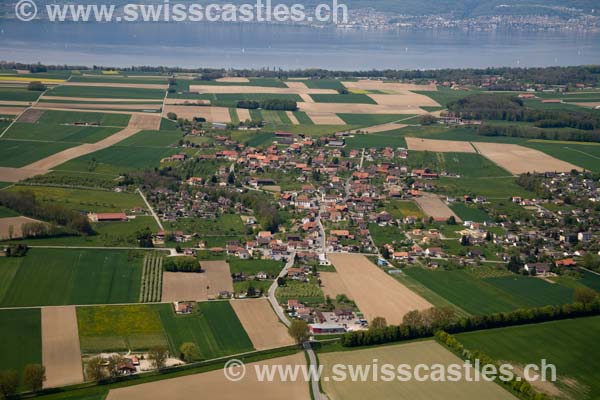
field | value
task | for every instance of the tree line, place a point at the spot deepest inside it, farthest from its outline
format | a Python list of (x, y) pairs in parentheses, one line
[(532, 132), (33, 378), (268, 104), (181, 264), (26, 203), (415, 327)]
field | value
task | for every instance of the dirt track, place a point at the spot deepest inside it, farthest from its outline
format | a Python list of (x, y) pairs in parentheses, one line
[(439, 146), (261, 323), (518, 159), (60, 347), (292, 118), (214, 384), (434, 207), (376, 293)]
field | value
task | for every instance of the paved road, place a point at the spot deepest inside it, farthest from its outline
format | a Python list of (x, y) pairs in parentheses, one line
[(278, 309), (314, 383), (160, 225)]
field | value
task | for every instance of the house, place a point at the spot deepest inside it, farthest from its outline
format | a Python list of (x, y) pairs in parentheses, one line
[(183, 307), (434, 252), (584, 236), (568, 262), (537, 269), (400, 256)]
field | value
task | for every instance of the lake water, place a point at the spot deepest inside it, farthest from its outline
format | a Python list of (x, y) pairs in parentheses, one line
[(287, 47)]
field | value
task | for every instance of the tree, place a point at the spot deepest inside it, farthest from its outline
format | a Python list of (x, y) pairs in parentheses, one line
[(428, 119), (158, 356), (95, 368), (413, 319), (189, 352), (36, 86), (378, 323), (172, 116), (9, 383), (584, 295), (451, 220), (34, 376), (299, 331)]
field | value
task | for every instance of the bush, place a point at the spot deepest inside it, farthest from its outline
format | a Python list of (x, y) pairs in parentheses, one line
[(172, 116), (182, 264), (36, 86)]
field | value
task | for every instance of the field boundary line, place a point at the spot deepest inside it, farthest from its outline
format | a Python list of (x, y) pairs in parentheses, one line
[(160, 225)]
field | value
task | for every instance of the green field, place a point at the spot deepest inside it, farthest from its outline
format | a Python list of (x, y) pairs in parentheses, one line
[(343, 98), (20, 338), (18, 93), (265, 82), (333, 84), (583, 155), (302, 118), (120, 79), (61, 277), (57, 133), (108, 234), (386, 234), (7, 212), (67, 117), (252, 267), (84, 199), (231, 99), (372, 119), (470, 213), (401, 209), (391, 139), (19, 153), (153, 139), (444, 96), (118, 159), (498, 188), (571, 345), (91, 92), (119, 328), (591, 279), (490, 295), (213, 327), (225, 224)]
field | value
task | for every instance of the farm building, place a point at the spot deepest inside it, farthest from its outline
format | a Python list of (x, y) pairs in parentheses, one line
[(107, 217)]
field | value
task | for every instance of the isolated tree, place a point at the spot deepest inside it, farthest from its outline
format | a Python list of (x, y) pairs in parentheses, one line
[(158, 356), (9, 383), (451, 220), (189, 351), (172, 116), (95, 368), (299, 331), (584, 295), (378, 323), (34, 376)]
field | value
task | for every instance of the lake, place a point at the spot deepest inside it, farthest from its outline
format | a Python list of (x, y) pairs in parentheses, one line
[(287, 47)]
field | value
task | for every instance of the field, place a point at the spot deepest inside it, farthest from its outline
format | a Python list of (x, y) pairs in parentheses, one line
[(12, 227), (231, 99), (591, 280), (105, 92), (261, 323), (346, 98), (376, 140), (66, 117), (440, 146), (434, 207), (53, 133), (194, 386), (119, 328), (332, 285), (152, 139), (518, 159), (19, 153), (213, 326), (83, 199), (412, 354), (562, 343), (179, 286), (470, 213), (18, 93), (60, 346), (497, 294), (20, 338), (586, 155), (62, 277), (371, 119), (252, 267), (376, 294)]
